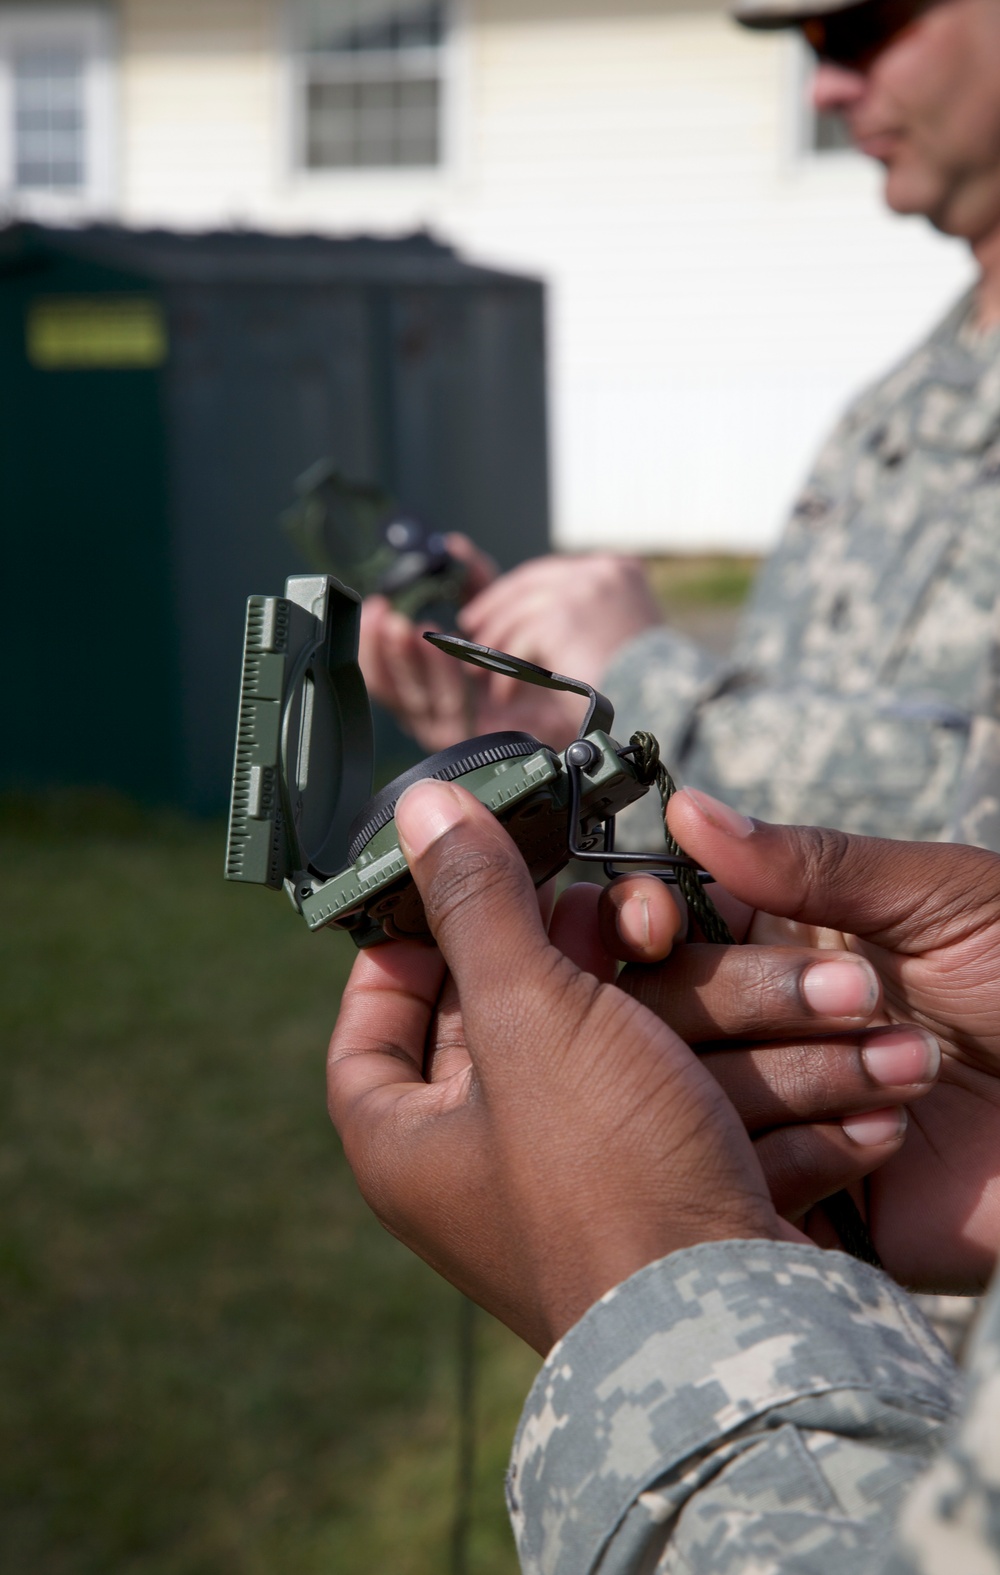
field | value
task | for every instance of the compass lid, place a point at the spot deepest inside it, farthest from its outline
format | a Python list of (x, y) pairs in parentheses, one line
[(304, 745)]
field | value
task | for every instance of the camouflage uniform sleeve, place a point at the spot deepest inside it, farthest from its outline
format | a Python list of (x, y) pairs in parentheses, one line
[(950, 1523), (739, 1406), (975, 812), (975, 817), (658, 681)]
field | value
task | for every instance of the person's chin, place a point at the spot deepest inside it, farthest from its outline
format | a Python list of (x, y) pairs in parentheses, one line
[(906, 193)]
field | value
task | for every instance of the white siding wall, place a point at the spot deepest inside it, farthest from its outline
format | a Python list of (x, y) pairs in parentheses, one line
[(198, 110), (713, 298)]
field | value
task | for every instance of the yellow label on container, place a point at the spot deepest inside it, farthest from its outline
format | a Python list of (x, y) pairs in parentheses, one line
[(92, 332)]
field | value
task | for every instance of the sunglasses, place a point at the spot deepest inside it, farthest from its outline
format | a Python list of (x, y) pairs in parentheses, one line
[(855, 36)]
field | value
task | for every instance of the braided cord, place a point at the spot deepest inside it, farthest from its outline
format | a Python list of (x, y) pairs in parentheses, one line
[(651, 769)]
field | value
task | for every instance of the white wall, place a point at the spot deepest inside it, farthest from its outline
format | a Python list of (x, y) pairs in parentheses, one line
[(713, 297)]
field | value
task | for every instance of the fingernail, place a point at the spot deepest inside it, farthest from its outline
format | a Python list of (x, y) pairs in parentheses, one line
[(902, 1056), (873, 1127), (429, 809), (847, 987), (720, 815), (633, 923)]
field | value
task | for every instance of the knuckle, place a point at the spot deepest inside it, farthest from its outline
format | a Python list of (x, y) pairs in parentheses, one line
[(822, 856), (803, 1084), (466, 874), (764, 991)]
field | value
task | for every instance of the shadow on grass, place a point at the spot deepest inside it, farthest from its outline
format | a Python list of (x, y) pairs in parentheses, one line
[(213, 1359)]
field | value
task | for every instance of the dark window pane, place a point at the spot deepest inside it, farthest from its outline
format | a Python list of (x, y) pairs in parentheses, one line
[(343, 27), (418, 122), (376, 124), (331, 123), (422, 29), (372, 124), (65, 173)]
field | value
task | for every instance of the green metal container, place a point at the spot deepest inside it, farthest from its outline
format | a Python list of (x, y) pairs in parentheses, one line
[(160, 393)]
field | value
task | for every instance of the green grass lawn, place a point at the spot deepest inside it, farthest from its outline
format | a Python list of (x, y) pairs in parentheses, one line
[(702, 579), (214, 1362)]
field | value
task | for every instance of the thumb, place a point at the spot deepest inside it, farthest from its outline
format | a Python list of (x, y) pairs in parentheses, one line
[(477, 894), (913, 895)]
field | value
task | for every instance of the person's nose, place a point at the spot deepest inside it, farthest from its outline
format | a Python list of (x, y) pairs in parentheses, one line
[(835, 88)]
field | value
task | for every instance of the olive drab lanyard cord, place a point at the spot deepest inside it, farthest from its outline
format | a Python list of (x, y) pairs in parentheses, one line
[(651, 769)]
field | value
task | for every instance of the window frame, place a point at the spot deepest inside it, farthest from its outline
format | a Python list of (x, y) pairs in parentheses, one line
[(447, 56), (91, 30)]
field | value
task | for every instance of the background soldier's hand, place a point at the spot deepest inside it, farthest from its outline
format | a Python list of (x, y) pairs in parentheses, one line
[(566, 614), (431, 695), (569, 614), (927, 918), (534, 1133)]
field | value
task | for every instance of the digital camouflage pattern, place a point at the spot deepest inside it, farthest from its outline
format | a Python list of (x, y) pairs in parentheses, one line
[(759, 1408), (950, 1523), (862, 691)]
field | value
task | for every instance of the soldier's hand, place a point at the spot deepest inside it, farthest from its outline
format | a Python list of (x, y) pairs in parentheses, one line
[(440, 701), (431, 695), (535, 1134), (926, 917), (569, 614)]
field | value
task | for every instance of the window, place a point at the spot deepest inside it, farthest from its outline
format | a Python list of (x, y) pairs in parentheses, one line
[(56, 110), (371, 83), (48, 119)]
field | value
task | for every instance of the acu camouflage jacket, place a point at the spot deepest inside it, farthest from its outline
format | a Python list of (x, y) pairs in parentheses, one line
[(864, 689), (760, 1408)]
